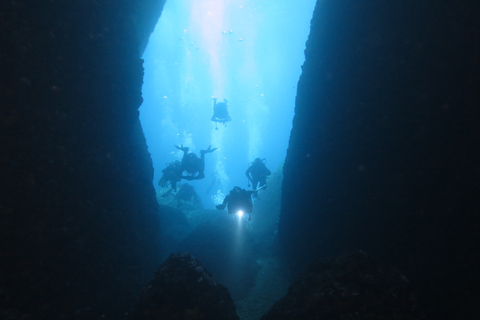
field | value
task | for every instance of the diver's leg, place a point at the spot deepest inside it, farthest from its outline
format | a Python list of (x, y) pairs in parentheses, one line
[(254, 187), (201, 166), (181, 147), (209, 149), (263, 183), (254, 184), (185, 152)]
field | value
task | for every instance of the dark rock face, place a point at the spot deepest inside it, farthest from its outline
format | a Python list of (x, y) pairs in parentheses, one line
[(354, 286), (175, 227), (78, 216), (183, 289), (383, 154), (227, 250)]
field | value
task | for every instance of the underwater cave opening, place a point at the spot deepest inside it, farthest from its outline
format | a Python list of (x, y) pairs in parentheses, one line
[(250, 53)]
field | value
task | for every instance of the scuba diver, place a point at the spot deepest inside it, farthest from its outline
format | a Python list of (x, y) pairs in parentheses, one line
[(186, 193), (187, 198), (257, 174), (220, 112), (171, 174), (238, 201), (193, 165)]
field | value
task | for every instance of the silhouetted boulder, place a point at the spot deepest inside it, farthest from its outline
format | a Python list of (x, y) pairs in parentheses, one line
[(354, 286), (183, 289), (227, 248)]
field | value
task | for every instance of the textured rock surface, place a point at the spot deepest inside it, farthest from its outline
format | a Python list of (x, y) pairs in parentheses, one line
[(227, 249), (383, 154), (354, 286), (183, 289), (78, 221)]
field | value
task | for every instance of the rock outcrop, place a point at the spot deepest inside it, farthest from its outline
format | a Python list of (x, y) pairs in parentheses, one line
[(383, 151), (353, 286), (227, 249), (183, 289), (78, 216)]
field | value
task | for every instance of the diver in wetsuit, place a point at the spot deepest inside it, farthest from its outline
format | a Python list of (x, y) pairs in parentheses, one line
[(192, 165), (257, 174), (238, 201), (220, 112)]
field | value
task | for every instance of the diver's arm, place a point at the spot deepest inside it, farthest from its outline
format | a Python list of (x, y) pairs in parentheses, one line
[(224, 204), (225, 201), (247, 173)]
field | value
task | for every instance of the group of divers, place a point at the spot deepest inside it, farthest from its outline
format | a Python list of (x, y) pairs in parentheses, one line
[(191, 167)]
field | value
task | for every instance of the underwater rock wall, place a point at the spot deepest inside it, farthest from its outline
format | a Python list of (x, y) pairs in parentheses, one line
[(353, 286), (383, 154), (79, 220)]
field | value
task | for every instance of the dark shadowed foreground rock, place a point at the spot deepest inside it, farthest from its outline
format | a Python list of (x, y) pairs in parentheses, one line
[(183, 289), (355, 286), (228, 250)]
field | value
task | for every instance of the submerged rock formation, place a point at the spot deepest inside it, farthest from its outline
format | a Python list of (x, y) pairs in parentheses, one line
[(227, 249), (78, 217), (353, 286), (183, 289), (383, 152), (382, 155)]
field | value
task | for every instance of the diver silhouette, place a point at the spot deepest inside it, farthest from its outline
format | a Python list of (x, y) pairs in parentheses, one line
[(220, 112), (238, 201), (171, 175), (257, 174), (191, 164)]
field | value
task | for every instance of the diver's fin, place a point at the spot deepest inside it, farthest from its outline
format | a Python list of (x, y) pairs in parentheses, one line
[(181, 147), (262, 187), (209, 149)]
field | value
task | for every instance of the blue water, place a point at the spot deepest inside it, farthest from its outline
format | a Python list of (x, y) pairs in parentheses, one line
[(248, 52)]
